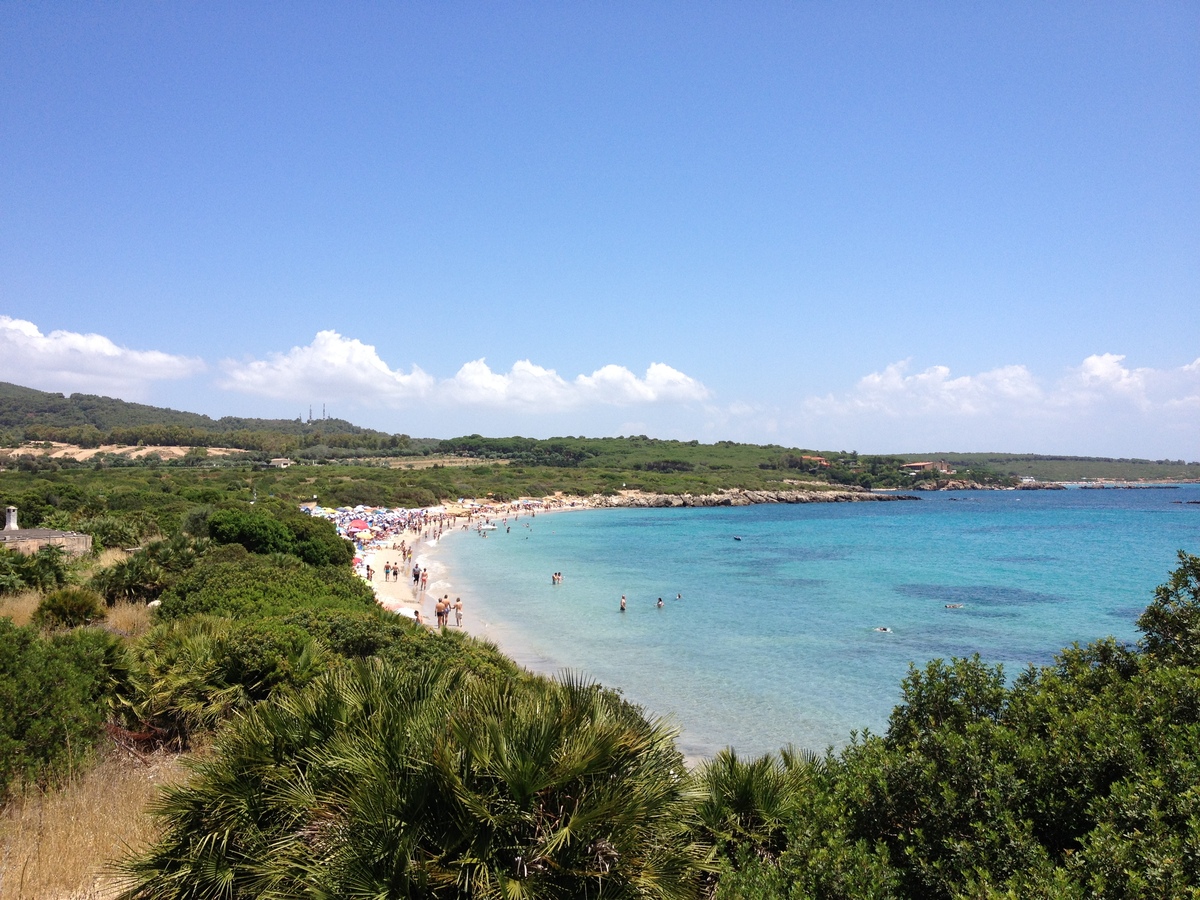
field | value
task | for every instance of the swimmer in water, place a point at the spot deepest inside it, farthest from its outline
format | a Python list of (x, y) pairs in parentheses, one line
[(622, 603), (884, 629), (660, 603)]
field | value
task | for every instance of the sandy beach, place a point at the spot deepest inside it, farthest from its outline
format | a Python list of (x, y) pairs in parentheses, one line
[(402, 596)]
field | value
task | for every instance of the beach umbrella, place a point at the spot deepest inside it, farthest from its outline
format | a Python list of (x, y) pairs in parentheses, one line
[(358, 525)]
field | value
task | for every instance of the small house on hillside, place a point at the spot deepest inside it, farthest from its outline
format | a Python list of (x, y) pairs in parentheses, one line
[(940, 466), (31, 540), (281, 462)]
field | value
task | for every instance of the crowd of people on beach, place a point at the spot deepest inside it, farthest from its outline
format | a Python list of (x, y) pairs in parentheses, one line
[(392, 534)]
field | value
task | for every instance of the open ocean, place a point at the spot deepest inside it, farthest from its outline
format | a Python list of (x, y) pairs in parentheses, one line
[(773, 641)]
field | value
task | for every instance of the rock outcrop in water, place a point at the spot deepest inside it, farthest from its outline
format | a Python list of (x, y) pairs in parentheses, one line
[(741, 498)]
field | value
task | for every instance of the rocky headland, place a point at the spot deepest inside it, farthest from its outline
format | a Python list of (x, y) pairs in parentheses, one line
[(740, 498)]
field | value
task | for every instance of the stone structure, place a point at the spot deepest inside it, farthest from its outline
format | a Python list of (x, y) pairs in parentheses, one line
[(31, 540)]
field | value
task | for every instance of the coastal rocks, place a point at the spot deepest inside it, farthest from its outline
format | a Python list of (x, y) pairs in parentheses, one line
[(739, 498), (954, 484)]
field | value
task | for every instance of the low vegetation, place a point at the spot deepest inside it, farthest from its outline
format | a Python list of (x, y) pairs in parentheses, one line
[(354, 753)]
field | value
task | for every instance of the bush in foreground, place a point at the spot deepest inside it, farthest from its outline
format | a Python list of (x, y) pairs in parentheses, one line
[(373, 784), (54, 697)]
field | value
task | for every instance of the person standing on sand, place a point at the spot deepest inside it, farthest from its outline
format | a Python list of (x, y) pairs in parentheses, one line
[(458, 609)]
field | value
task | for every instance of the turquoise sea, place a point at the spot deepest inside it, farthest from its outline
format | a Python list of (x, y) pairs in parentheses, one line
[(774, 639)]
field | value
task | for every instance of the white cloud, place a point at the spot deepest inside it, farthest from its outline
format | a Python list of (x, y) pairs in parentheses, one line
[(1103, 379), (895, 392), (617, 385), (525, 386), (1100, 407), (334, 366), (88, 363), (330, 367)]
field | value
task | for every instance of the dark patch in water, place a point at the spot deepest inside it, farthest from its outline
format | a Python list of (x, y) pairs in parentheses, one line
[(1011, 527), (1127, 613), (992, 613), (802, 584), (1025, 559), (814, 554), (977, 594)]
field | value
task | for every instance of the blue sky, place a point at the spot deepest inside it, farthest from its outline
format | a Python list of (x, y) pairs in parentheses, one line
[(883, 227)]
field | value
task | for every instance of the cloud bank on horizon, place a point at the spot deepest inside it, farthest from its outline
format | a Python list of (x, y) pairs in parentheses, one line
[(895, 408), (347, 369), (69, 361)]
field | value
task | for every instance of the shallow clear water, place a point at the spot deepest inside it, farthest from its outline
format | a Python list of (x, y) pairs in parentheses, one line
[(773, 641)]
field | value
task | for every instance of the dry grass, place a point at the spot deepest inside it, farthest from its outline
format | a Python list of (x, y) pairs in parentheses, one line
[(127, 618), (20, 607), (57, 845), (89, 566), (446, 462), (110, 556)]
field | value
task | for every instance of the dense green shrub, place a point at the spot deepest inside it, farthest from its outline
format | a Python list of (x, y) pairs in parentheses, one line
[(45, 570), (145, 574), (12, 568), (232, 582), (376, 784), (282, 530), (257, 532), (113, 531), (136, 579), (268, 656), (317, 542), (353, 634), (189, 676), (69, 607), (54, 696)]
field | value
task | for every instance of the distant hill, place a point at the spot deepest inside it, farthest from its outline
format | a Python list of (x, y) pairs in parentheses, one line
[(91, 421), (21, 406), (88, 420), (1046, 467)]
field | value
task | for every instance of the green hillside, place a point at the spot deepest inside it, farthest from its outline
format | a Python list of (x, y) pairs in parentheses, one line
[(22, 406), (88, 420), (1070, 468)]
